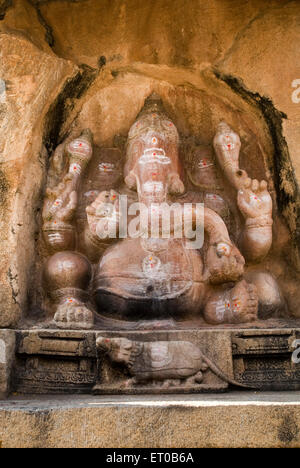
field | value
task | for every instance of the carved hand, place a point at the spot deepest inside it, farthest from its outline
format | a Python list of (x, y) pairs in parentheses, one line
[(255, 203), (254, 200), (224, 262), (60, 203), (103, 215)]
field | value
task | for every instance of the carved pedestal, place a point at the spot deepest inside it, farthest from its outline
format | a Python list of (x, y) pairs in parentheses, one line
[(194, 294), (51, 361)]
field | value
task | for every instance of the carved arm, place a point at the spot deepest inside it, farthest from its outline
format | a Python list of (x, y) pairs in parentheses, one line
[(253, 198), (61, 201)]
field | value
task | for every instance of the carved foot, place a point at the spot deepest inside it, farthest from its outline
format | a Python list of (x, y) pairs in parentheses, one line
[(170, 383), (270, 299), (237, 305), (129, 383), (195, 379), (162, 384), (74, 315)]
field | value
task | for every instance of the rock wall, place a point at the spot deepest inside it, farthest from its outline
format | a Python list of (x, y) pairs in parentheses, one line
[(31, 79), (69, 64)]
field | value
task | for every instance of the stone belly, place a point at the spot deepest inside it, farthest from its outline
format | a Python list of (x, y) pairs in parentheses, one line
[(133, 283)]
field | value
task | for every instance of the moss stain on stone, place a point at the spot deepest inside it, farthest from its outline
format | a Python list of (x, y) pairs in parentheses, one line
[(288, 430), (73, 90), (13, 282), (4, 186)]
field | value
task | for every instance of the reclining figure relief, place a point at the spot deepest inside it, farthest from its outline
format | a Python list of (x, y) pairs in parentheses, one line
[(95, 271)]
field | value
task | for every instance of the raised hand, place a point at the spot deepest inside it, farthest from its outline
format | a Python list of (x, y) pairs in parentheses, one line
[(60, 203), (255, 203), (254, 200), (103, 215), (58, 212)]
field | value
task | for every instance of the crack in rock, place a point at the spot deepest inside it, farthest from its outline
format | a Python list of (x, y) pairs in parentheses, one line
[(12, 279), (36, 4)]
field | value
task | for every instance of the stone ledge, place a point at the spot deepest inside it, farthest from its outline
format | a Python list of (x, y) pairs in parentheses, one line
[(238, 419)]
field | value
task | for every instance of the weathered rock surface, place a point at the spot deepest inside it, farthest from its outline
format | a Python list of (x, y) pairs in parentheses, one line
[(233, 420), (31, 79)]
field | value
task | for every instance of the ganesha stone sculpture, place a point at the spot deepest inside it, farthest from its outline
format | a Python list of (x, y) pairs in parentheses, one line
[(94, 270)]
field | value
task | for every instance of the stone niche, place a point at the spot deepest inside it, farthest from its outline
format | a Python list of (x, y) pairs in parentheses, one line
[(87, 308)]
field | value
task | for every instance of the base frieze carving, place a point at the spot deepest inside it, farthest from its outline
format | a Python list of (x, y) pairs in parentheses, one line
[(265, 359), (153, 362)]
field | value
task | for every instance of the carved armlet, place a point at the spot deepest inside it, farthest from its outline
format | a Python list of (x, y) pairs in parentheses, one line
[(62, 294), (57, 225), (228, 164), (59, 235), (261, 221)]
